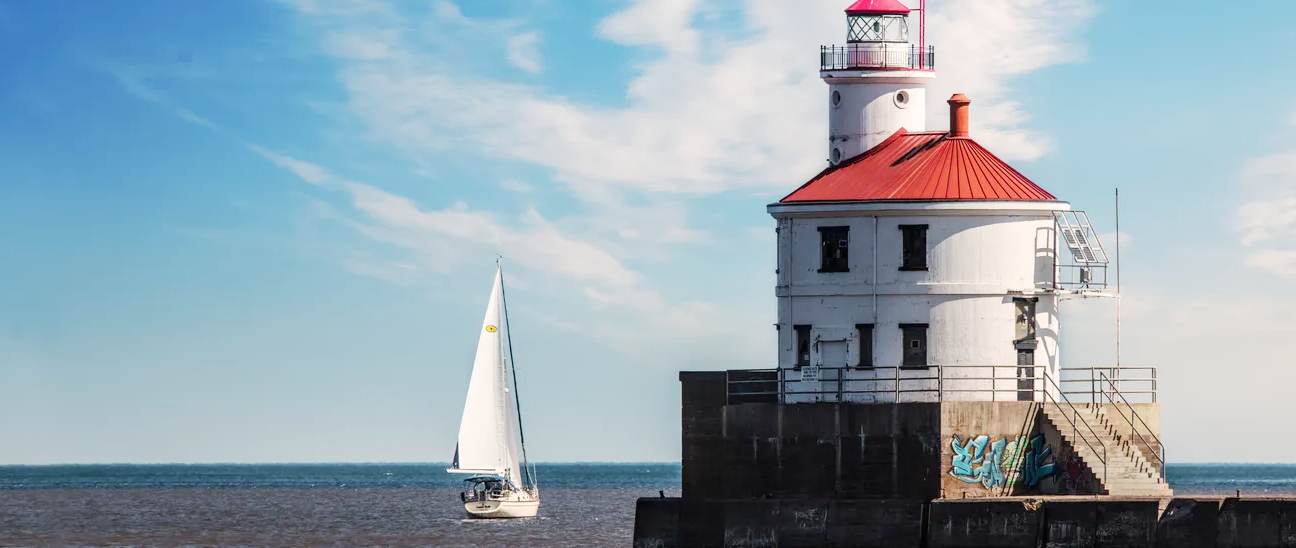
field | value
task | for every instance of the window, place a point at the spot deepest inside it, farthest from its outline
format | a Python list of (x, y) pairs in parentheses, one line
[(915, 344), (802, 334), (1025, 330), (865, 332), (835, 241), (1025, 375), (914, 247)]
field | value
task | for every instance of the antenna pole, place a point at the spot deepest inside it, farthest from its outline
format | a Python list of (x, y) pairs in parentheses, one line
[(922, 34), (517, 397), (1118, 286)]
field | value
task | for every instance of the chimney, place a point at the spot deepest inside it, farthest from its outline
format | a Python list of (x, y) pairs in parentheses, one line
[(958, 115)]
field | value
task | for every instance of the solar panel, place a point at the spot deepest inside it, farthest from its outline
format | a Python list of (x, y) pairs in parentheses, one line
[(1079, 237)]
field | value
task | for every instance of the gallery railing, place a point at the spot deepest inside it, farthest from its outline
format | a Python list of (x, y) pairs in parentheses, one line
[(1085, 384)]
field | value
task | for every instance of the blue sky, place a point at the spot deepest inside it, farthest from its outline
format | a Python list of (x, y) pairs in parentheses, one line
[(264, 230)]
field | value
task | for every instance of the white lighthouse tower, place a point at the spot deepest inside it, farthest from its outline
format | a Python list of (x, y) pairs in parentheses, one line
[(919, 266), (877, 81)]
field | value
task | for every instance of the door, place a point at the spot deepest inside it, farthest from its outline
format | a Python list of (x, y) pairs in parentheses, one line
[(833, 355)]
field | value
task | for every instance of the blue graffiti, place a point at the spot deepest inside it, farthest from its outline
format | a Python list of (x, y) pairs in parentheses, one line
[(995, 468), (1033, 467)]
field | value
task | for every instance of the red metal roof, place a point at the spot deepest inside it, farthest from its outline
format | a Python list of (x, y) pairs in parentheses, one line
[(928, 166), (874, 7)]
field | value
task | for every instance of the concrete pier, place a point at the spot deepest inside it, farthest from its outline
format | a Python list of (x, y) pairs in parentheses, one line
[(1007, 522)]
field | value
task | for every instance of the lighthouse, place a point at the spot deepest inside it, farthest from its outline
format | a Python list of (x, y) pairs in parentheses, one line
[(877, 81), (921, 284)]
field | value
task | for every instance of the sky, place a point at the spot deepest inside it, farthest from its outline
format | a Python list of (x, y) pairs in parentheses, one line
[(266, 230)]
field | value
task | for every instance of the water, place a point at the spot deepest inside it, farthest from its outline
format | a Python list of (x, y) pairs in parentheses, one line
[(393, 505)]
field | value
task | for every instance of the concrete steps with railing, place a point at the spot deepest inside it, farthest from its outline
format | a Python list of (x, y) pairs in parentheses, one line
[(1128, 472)]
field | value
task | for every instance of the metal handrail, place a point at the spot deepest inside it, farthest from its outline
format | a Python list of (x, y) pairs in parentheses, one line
[(1160, 452), (1075, 416), (877, 56), (938, 382), (1122, 380)]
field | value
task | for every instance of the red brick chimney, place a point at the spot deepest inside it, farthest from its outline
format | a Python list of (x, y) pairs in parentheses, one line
[(958, 115)]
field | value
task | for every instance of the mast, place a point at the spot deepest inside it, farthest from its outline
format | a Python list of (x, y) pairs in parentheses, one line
[(517, 397)]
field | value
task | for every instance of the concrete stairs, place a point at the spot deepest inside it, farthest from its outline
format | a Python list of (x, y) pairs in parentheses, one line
[(1128, 472)]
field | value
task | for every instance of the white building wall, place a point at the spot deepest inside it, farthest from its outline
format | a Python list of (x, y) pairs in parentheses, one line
[(869, 109), (977, 263)]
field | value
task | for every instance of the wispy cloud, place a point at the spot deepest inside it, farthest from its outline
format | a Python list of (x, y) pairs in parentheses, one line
[(514, 185), (1267, 219), (134, 81), (524, 52), (701, 122)]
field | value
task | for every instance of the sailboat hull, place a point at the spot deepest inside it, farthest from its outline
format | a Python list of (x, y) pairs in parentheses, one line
[(502, 509)]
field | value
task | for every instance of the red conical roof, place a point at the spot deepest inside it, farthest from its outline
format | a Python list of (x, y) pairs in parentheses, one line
[(877, 7), (928, 166)]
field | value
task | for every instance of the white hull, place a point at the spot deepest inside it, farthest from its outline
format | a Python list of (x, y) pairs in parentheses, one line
[(501, 509)]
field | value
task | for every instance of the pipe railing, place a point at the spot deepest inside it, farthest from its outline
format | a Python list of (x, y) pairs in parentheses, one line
[(877, 56), (1139, 382), (1159, 451)]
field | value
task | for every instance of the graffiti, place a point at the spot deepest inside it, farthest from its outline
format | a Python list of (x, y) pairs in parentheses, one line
[(1003, 463), (810, 519), (1072, 480)]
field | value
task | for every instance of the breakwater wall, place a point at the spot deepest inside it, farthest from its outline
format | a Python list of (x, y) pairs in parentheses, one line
[(1026, 522)]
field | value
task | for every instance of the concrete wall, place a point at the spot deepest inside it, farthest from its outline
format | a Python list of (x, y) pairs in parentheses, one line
[(857, 451), (814, 451), (1007, 448), (1053, 522)]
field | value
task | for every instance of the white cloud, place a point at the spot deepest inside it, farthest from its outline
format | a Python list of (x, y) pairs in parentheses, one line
[(514, 185), (524, 52), (1282, 263), (701, 120), (307, 171), (1267, 219), (359, 45)]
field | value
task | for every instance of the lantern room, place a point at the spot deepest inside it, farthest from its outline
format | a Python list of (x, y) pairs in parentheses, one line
[(877, 21)]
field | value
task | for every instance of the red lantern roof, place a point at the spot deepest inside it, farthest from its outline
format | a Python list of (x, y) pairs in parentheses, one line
[(877, 7), (927, 166)]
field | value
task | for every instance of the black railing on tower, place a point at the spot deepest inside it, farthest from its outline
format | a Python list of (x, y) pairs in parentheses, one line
[(882, 56)]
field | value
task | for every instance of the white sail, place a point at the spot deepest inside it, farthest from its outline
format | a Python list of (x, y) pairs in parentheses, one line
[(488, 431)]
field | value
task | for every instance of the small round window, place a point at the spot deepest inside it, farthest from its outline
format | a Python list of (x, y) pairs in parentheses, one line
[(836, 98), (902, 99), (836, 156)]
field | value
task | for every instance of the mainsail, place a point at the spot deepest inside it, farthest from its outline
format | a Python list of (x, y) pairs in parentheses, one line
[(489, 431)]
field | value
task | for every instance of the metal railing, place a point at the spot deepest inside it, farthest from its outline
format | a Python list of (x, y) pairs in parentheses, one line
[(1159, 451), (842, 384), (1140, 382), (1074, 418), (876, 56)]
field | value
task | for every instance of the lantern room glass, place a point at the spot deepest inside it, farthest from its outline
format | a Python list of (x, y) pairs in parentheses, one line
[(877, 28)]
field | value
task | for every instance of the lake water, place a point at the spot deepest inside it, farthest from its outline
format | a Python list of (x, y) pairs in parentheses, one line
[(375, 504)]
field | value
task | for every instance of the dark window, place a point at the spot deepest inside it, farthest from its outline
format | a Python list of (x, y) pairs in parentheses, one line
[(865, 331), (914, 239), (835, 241), (915, 344), (802, 344), (1025, 375)]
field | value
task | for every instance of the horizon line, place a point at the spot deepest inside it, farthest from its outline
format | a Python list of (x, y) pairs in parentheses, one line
[(327, 463)]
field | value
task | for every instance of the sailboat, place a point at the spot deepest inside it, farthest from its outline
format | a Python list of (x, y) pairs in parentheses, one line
[(491, 446)]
